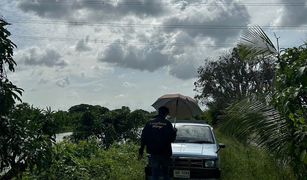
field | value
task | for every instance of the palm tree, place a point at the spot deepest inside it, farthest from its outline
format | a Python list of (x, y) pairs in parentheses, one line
[(271, 125), (252, 121), (255, 42)]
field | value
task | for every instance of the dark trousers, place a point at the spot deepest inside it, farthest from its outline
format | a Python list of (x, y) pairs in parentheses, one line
[(159, 167)]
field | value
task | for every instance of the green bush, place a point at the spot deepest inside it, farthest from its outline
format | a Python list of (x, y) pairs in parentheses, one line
[(84, 160), (87, 160)]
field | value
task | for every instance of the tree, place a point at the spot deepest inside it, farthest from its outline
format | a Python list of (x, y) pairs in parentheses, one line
[(231, 78), (283, 128), (8, 91), (109, 126), (85, 129), (114, 124), (27, 133), (26, 140), (136, 120), (82, 108), (290, 99)]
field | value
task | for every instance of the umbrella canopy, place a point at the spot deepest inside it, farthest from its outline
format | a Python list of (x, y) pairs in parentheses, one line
[(180, 106)]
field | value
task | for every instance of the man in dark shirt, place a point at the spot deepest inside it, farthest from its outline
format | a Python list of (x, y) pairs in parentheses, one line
[(157, 136)]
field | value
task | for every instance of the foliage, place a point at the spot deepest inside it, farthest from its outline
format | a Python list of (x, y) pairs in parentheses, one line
[(121, 125), (65, 121), (87, 160), (27, 133), (84, 160), (95, 110), (286, 135), (26, 140), (108, 126), (254, 42), (253, 122), (8, 91), (231, 78), (124, 162), (291, 99), (240, 162), (85, 128)]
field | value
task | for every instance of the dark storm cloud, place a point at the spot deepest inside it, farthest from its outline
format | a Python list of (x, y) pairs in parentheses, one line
[(91, 10), (294, 15), (141, 58), (48, 57)]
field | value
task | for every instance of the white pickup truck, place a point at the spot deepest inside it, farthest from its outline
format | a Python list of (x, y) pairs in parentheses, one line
[(195, 152)]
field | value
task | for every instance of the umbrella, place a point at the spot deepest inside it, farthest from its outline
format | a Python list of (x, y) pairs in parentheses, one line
[(180, 106)]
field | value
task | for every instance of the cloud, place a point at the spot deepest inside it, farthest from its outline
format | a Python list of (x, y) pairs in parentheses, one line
[(208, 20), (43, 81), (293, 15), (148, 58), (82, 46), (38, 57), (154, 33), (128, 84), (175, 51), (92, 10), (184, 70), (62, 82)]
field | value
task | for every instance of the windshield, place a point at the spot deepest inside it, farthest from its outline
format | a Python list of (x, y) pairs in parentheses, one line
[(194, 134)]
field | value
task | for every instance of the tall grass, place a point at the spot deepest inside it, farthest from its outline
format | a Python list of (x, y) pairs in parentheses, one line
[(239, 161)]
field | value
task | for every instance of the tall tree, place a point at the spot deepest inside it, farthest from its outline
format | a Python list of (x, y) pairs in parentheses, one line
[(231, 78), (290, 99), (8, 91), (85, 128), (27, 133), (285, 133)]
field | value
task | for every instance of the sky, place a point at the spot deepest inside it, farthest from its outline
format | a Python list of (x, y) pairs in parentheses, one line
[(118, 53)]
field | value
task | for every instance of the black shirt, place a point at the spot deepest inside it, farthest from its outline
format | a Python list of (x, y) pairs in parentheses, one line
[(157, 136)]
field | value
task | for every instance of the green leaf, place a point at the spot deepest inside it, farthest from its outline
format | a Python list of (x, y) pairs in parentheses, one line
[(255, 42), (303, 156), (291, 116), (302, 70), (302, 120)]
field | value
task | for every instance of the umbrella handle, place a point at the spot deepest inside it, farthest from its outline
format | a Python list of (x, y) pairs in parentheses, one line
[(176, 113), (175, 122)]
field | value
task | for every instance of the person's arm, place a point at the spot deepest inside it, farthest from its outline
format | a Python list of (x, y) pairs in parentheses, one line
[(143, 140), (173, 132)]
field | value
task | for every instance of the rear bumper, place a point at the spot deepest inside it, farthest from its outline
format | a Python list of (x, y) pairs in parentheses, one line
[(194, 173)]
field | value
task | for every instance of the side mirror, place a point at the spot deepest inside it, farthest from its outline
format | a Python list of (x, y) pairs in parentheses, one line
[(220, 147)]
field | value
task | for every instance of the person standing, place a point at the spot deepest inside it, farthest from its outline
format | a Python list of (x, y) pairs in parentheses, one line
[(157, 136)]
